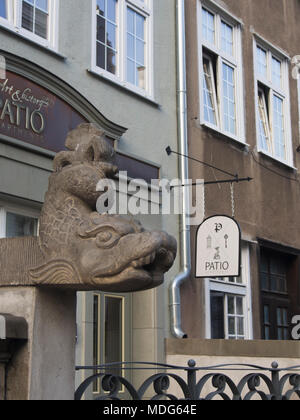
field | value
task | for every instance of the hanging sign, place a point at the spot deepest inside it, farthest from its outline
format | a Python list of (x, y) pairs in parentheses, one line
[(218, 248)]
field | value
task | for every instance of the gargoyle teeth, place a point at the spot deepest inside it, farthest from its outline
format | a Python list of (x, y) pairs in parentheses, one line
[(141, 262)]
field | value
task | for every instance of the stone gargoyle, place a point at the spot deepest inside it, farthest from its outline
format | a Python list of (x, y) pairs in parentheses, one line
[(77, 247)]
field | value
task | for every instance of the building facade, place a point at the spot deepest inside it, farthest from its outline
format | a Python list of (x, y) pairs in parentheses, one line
[(243, 118), (112, 63)]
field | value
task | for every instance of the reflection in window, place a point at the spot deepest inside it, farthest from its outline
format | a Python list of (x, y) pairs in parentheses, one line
[(35, 17), (113, 351), (208, 26), (264, 127), (107, 35), (261, 62), (3, 9), (276, 72), (229, 99), (209, 93), (136, 48), (96, 339), (19, 226), (227, 316), (279, 135), (227, 38)]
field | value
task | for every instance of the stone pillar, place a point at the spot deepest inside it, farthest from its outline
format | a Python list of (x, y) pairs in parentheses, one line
[(44, 367)]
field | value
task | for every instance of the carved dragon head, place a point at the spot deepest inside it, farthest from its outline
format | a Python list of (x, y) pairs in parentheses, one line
[(83, 249)]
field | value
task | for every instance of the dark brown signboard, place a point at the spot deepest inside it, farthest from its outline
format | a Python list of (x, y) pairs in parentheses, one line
[(34, 115)]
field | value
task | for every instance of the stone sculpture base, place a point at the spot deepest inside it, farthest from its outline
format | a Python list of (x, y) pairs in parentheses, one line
[(43, 367)]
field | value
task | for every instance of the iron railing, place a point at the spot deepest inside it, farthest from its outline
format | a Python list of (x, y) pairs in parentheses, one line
[(194, 383)]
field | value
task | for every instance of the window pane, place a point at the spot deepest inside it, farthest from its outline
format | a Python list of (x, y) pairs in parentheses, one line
[(217, 316), (101, 55), (264, 127), (100, 29), (111, 10), (111, 35), (208, 26), (41, 24), (231, 308), (130, 71), (208, 93), (101, 7), (3, 11), (136, 70), (227, 38), (229, 99), (261, 63), (113, 331), (239, 306), (27, 16), (276, 72), (278, 129), (130, 20), (96, 338), (240, 326), (18, 226), (42, 4), (107, 35), (111, 61), (231, 326)]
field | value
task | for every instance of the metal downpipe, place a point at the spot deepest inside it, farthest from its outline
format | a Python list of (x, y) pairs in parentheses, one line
[(175, 300)]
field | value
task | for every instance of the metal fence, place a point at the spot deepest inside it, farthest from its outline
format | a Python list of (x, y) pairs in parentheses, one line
[(194, 383)]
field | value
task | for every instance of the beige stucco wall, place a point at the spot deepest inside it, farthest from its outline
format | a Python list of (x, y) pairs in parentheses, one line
[(210, 353)]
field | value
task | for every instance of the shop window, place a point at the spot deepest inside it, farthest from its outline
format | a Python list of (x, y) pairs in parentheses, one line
[(123, 48), (221, 72), (273, 109)]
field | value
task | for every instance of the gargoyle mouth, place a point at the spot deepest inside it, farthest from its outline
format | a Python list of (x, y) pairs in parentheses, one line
[(145, 272)]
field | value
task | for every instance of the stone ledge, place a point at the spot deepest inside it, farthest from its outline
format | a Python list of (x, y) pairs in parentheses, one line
[(253, 348), (13, 328)]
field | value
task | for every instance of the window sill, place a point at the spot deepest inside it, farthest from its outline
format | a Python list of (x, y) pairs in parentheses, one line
[(224, 134), (280, 162), (42, 45), (123, 85)]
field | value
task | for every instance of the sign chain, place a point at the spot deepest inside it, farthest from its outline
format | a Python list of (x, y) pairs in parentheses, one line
[(232, 200)]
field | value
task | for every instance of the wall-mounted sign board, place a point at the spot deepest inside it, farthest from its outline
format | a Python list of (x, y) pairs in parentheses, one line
[(218, 248)]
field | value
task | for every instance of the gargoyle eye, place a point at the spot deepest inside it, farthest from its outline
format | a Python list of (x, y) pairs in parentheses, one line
[(106, 239)]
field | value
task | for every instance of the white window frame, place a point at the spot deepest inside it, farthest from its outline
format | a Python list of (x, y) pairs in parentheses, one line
[(282, 92), (233, 289), (145, 9), (16, 209), (14, 24), (234, 61)]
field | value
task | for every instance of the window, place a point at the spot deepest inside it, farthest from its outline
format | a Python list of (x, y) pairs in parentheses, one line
[(123, 33), (17, 222), (229, 305), (275, 298), (273, 113), (221, 72), (109, 345), (33, 19)]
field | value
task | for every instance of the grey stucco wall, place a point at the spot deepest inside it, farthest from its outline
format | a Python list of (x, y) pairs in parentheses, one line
[(152, 126)]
